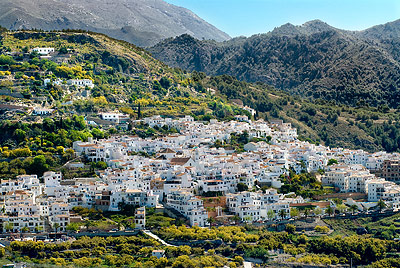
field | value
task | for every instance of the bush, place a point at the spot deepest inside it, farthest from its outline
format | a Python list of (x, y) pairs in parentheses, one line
[(321, 229), (290, 228)]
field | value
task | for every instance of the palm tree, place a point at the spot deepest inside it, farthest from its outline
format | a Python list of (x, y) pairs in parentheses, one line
[(381, 205), (306, 212), (282, 213), (236, 218), (56, 226), (353, 208), (330, 210), (210, 220)]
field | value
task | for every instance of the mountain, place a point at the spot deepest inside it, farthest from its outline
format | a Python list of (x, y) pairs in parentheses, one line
[(142, 22), (314, 60), (390, 30)]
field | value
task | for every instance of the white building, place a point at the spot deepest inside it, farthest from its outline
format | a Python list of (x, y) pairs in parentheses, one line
[(81, 83), (43, 50), (115, 117), (188, 205)]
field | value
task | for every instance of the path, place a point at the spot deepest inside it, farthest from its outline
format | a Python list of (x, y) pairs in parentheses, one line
[(147, 232)]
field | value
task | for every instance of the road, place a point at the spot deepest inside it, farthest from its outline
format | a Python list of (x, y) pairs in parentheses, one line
[(147, 232)]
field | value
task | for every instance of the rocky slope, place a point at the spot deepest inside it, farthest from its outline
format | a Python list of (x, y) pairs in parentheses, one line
[(142, 22)]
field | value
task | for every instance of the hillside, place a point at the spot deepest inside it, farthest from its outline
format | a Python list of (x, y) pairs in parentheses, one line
[(142, 22), (126, 77), (313, 60)]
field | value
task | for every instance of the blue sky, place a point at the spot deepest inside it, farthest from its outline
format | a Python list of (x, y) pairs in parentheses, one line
[(247, 17)]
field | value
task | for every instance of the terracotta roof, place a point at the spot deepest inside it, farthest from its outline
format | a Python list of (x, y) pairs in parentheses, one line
[(179, 161), (167, 151)]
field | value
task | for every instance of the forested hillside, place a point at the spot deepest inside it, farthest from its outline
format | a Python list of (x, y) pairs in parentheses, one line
[(313, 60)]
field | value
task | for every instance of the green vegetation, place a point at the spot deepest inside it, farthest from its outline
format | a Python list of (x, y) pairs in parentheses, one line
[(304, 184), (33, 148), (253, 242), (379, 227), (207, 247), (134, 251)]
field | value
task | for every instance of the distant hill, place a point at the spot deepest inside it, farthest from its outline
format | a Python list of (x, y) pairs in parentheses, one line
[(142, 22), (314, 60)]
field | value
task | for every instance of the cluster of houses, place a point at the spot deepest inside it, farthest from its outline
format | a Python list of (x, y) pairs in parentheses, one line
[(175, 171)]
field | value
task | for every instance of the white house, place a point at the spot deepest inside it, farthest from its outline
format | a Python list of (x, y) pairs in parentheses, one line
[(81, 83), (115, 117), (43, 50)]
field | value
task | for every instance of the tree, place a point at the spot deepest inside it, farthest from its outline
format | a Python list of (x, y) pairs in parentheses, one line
[(321, 229), (318, 211), (139, 113), (39, 165), (242, 187), (270, 214), (210, 220), (236, 218), (290, 228), (183, 261), (341, 208), (55, 227), (63, 50), (6, 60), (282, 213), (306, 212), (9, 227), (332, 162), (20, 135), (353, 208), (330, 210), (381, 205), (87, 224), (294, 213), (72, 227)]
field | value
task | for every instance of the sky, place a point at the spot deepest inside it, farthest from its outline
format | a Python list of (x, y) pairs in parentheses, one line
[(248, 17)]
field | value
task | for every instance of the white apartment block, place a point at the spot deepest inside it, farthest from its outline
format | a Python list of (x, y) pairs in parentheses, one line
[(255, 206), (348, 178), (188, 205)]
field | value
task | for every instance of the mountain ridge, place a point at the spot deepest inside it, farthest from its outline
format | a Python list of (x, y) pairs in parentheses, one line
[(314, 60), (131, 21)]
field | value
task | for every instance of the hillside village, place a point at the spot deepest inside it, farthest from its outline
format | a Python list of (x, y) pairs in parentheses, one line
[(175, 171), (100, 140)]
